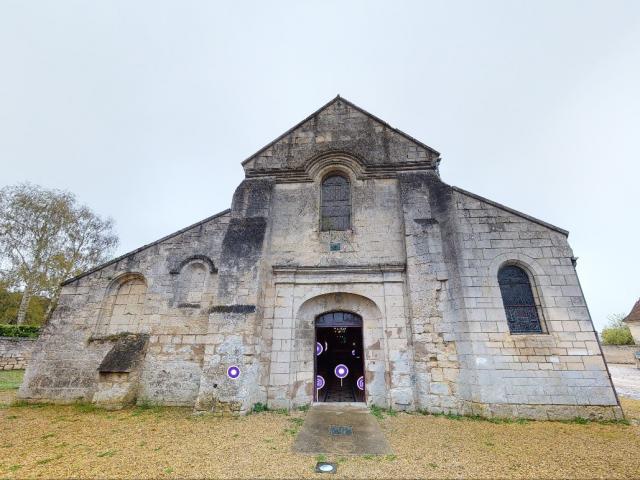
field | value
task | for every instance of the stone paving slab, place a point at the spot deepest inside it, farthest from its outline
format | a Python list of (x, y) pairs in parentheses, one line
[(343, 429), (626, 379)]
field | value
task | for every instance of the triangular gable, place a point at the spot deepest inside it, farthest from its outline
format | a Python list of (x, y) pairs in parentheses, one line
[(341, 126)]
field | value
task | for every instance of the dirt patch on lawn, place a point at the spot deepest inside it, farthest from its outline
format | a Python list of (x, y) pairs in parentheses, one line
[(7, 397), (80, 441)]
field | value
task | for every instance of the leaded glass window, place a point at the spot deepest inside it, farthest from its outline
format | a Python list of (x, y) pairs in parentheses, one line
[(519, 301), (339, 319), (335, 211)]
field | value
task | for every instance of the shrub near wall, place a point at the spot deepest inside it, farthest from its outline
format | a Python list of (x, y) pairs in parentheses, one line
[(28, 331), (617, 336), (616, 332)]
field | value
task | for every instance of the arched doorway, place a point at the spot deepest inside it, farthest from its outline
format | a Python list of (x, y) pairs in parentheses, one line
[(339, 358)]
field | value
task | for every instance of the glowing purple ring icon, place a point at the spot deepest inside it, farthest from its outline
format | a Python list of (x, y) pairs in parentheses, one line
[(319, 348), (319, 382), (360, 383), (341, 371), (233, 372)]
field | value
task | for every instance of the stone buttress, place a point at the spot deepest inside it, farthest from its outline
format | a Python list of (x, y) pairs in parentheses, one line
[(235, 319)]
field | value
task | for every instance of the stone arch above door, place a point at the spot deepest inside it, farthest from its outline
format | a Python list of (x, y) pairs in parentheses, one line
[(376, 361)]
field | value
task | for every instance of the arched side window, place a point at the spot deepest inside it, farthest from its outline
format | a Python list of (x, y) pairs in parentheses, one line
[(335, 210), (519, 300)]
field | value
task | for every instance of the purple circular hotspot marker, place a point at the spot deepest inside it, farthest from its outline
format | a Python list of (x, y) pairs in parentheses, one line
[(360, 383), (319, 382), (233, 372), (341, 371), (319, 348)]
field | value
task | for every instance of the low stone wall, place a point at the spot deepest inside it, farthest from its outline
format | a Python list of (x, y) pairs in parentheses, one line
[(15, 352), (620, 353)]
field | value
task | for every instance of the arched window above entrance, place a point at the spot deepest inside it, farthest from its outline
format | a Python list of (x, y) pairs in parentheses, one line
[(335, 211)]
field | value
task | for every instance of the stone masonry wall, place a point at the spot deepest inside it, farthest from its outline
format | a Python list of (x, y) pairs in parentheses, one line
[(363, 266), (620, 353), (302, 295), (15, 352), (74, 342), (556, 374), (235, 320), (432, 285)]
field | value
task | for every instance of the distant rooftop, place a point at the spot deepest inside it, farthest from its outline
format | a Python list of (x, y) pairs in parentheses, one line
[(634, 315)]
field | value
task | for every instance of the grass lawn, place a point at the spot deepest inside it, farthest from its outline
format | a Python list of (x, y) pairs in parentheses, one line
[(50, 441), (10, 379)]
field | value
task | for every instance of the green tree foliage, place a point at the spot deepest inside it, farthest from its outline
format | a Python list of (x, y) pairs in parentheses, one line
[(10, 301), (616, 332), (45, 238)]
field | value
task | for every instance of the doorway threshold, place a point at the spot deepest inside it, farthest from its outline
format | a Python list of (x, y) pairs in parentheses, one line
[(340, 404), (341, 428)]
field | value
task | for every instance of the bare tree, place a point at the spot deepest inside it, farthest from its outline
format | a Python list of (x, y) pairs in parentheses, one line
[(47, 237)]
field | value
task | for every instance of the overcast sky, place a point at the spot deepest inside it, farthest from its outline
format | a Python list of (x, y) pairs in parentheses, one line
[(145, 109)]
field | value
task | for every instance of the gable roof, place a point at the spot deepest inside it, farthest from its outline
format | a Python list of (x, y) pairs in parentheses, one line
[(144, 247), (513, 211), (355, 107), (634, 315)]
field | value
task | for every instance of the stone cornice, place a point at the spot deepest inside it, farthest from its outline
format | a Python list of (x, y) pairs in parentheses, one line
[(302, 175), (339, 269)]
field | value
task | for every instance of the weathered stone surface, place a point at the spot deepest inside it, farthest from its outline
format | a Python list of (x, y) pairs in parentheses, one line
[(620, 353), (419, 264), (125, 355), (15, 352)]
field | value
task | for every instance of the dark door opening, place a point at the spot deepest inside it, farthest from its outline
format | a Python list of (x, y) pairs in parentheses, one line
[(339, 365)]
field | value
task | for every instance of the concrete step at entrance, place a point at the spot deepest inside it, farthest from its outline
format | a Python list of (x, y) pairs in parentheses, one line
[(335, 392), (342, 429)]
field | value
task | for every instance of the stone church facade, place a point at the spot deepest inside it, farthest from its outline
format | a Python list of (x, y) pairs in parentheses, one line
[(454, 303)]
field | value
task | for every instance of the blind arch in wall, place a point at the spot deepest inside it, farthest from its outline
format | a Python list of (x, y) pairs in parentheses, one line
[(123, 307)]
